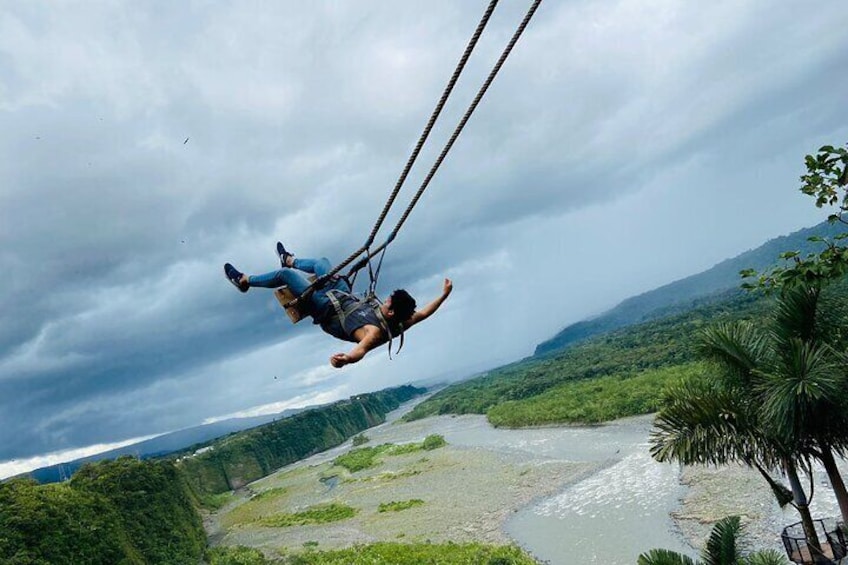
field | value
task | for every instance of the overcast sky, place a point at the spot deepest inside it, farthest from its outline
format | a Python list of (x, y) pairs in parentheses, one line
[(624, 145)]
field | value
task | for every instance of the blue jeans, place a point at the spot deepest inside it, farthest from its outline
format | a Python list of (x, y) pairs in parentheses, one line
[(319, 303)]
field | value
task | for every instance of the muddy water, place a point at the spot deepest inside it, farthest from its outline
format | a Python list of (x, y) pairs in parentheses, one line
[(620, 507), (610, 516)]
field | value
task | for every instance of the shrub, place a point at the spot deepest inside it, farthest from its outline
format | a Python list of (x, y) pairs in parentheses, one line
[(318, 514), (433, 441), (237, 555), (397, 506)]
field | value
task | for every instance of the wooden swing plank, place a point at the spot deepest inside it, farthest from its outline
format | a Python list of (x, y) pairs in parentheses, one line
[(284, 295)]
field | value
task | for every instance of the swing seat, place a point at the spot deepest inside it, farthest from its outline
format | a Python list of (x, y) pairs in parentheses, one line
[(284, 295)]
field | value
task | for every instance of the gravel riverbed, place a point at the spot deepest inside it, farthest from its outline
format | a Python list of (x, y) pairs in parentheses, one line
[(468, 493)]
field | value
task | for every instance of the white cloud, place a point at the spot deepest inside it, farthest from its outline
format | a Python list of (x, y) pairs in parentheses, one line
[(19, 466)]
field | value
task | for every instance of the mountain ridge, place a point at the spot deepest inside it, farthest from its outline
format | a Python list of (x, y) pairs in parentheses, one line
[(679, 295)]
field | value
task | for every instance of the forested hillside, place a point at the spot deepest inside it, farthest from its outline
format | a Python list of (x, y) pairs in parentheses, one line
[(243, 457), (131, 512), (682, 295), (124, 511), (617, 374), (621, 354)]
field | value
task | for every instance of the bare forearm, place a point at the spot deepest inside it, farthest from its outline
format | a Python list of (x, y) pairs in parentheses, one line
[(430, 309)]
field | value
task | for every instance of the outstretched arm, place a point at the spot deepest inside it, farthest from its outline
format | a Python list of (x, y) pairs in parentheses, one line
[(430, 308), (372, 338)]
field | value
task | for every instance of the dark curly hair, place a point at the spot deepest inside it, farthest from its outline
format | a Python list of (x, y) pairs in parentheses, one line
[(403, 305)]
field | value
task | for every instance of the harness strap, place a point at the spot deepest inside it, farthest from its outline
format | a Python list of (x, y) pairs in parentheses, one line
[(386, 327), (342, 313), (371, 300)]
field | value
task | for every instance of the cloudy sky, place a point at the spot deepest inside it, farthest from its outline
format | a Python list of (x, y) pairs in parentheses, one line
[(625, 144)]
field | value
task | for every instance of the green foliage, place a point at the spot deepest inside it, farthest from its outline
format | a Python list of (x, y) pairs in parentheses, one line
[(367, 457), (235, 555), (827, 176), (58, 524), (625, 353), (247, 456), (360, 439), (826, 180), (214, 501), (433, 441), (722, 548), (404, 449), (595, 400), (154, 504), (664, 557), (318, 514), (397, 506), (415, 554), (269, 494), (125, 511), (362, 458)]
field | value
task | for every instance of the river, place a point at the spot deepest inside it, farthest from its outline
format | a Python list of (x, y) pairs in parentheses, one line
[(610, 516), (599, 497)]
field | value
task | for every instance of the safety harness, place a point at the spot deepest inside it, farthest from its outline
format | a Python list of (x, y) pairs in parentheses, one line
[(370, 300)]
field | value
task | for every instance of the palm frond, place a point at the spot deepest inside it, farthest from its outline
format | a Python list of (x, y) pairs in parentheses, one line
[(722, 547), (664, 557), (795, 313), (801, 391), (739, 346), (766, 557), (702, 422)]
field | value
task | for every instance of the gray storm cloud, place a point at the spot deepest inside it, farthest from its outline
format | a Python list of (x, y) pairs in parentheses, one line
[(624, 144)]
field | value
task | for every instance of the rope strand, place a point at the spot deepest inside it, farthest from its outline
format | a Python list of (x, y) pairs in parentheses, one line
[(366, 248), (460, 127)]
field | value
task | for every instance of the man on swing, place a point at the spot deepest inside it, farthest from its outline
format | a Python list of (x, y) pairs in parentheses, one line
[(367, 323)]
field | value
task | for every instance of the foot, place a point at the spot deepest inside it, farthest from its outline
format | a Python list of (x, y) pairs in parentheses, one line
[(236, 277), (286, 258)]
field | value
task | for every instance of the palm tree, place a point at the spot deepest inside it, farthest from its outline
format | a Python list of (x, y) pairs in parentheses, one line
[(722, 548), (804, 395), (776, 404)]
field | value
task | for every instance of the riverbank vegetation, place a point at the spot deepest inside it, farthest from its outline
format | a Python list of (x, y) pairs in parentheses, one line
[(594, 400), (318, 514), (539, 384), (399, 505), (367, 457), (381, 554)]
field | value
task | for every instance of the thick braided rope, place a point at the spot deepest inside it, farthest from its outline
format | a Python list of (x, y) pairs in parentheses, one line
[(462, 122), (519, 31), (424, 135)]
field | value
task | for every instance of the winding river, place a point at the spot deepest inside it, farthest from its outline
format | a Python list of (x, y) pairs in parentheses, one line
[(610, 516)]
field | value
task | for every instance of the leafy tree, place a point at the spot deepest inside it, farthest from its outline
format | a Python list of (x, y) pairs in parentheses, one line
[(775, 404), (827, 181), (722, 548)]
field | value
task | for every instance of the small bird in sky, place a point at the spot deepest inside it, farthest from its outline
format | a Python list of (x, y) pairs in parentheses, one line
[(186, 141)]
